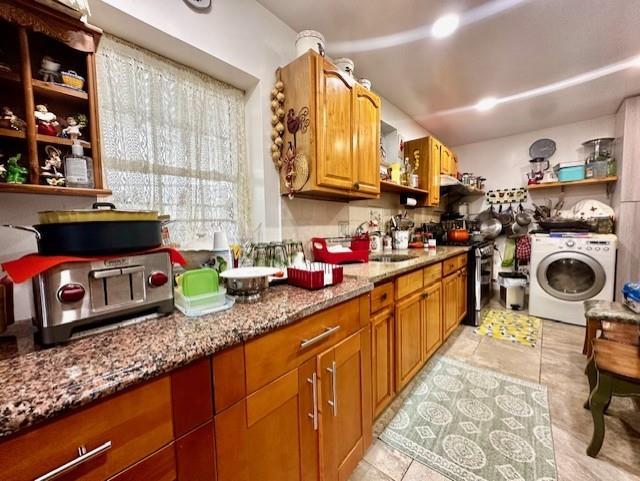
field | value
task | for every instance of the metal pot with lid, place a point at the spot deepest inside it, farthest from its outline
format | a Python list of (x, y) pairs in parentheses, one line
[(96, 231)]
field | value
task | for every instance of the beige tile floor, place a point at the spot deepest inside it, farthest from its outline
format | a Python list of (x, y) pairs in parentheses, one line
[(556, 361)]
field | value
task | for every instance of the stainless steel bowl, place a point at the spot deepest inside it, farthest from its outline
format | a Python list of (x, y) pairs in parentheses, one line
[(246, 284)]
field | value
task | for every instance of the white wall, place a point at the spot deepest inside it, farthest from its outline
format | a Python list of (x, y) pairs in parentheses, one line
[(505, 161)]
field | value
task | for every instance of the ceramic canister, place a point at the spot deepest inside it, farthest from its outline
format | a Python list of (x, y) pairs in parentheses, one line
[(309, 39)]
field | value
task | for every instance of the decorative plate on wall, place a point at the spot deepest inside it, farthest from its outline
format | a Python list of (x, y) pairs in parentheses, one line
[(199, 4)]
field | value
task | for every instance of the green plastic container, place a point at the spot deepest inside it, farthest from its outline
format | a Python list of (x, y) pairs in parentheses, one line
[(198, 282)]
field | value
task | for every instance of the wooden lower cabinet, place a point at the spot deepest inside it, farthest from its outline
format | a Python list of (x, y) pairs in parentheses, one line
[(462, 294), (160, 466), (270, 435), (196, 454), (345, 405), (432, 319), (450, 303), (408, 318), (382, 360), (121, 430), (314, 422)]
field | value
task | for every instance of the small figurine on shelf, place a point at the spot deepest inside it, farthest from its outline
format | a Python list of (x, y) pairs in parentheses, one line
[(74, 124), (51, 171), (47, 121), (9, 120), (49, 69), (15, 173)]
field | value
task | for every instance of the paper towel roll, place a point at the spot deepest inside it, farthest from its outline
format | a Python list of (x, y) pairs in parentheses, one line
[(411, 202)]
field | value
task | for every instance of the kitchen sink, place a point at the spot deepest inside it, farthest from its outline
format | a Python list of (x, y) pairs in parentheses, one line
[(391, 258)]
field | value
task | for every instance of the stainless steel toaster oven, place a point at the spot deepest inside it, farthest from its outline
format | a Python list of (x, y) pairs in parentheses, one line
[(76, 295)]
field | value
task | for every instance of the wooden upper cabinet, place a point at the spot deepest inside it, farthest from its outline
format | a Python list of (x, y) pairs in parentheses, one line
[(366, 140), (341, 140), (447, 163), (428, 150), (335, 165)]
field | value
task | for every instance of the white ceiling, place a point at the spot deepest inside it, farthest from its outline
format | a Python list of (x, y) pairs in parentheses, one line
[(532, 44)]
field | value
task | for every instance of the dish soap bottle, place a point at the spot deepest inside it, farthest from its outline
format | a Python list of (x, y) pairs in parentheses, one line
[(78, 168)]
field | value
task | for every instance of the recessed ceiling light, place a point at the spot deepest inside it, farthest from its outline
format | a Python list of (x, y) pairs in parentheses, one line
[(445, 25), (486, 104)]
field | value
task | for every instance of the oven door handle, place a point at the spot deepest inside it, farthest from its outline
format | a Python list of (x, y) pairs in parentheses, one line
[(478, 286)]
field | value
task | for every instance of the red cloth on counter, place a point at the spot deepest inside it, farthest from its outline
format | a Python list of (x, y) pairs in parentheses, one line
[(31, 265)]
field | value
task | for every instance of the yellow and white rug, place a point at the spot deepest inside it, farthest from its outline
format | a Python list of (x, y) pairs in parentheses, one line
[(510, 326)]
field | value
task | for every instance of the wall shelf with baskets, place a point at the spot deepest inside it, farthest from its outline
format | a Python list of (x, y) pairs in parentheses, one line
[(33, 34)]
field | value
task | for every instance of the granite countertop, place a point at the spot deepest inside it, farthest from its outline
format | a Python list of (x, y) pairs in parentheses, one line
[(40, 383), (610, 311), (380, 271)]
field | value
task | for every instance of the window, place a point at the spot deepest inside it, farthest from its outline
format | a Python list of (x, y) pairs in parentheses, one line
[(173, 140)]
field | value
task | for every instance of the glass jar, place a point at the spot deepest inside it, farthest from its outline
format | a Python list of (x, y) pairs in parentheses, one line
[(260, 254), (599, 149), (277, 255)]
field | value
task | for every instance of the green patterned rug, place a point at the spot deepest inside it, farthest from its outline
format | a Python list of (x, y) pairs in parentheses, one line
[(509, 326), (472, 424)]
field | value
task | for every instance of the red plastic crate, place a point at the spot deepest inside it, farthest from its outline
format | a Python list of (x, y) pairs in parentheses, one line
[(309, 279), (359, 251)]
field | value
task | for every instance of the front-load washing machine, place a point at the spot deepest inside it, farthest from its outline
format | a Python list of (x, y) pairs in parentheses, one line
[(566, 270)]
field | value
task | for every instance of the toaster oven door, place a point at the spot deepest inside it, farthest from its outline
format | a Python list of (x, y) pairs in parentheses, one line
[(113, 289)]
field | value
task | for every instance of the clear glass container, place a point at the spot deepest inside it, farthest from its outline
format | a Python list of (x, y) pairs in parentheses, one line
[(599, 149)]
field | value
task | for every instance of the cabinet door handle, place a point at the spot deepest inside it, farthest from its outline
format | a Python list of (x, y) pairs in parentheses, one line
[(356, 186), (305, 343), (334, 375), (384, 296), (425, 295), (314, 392), (83, 456)]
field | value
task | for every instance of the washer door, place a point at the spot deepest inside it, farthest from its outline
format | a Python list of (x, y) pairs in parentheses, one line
[(571, 276)]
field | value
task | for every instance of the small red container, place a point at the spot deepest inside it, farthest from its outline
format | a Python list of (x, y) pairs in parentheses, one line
[(359, 251), (308, 279)]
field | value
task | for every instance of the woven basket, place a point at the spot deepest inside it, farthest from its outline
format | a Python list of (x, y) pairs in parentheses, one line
[(72, 79)]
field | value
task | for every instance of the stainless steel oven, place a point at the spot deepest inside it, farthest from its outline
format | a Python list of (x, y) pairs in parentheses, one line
[(479, 284)]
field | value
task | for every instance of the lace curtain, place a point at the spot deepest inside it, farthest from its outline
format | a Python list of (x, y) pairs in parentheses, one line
[(173, 140)]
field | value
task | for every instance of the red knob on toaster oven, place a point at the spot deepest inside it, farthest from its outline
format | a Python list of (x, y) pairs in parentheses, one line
[(157, 279), (70, 293)]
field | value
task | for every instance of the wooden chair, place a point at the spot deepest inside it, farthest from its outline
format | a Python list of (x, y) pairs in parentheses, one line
[(613, 370)]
